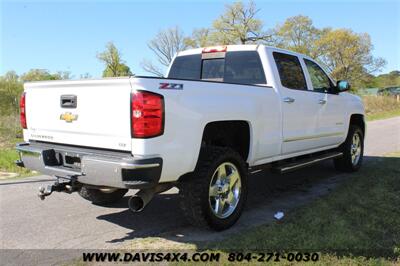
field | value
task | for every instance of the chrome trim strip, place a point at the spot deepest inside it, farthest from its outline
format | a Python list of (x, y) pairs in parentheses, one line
[(28, 151), (311, 162), (123, 165), (65, 171), (256, 171), (314, 136)]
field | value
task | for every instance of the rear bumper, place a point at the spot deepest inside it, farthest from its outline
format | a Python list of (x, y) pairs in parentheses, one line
[(90, 166)]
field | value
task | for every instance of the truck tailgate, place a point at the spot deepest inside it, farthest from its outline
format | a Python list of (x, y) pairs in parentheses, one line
[(101, 117)]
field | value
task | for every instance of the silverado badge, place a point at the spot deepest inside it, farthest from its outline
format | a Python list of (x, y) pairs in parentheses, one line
[(68, 117)]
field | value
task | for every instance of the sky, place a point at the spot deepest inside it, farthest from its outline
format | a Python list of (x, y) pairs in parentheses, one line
[(67, 35)]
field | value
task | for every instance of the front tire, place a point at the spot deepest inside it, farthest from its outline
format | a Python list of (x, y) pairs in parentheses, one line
[(215, 193), (102, 196), (353, 151)]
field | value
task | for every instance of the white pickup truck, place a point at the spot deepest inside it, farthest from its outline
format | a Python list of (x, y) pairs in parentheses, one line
[(220, 114)]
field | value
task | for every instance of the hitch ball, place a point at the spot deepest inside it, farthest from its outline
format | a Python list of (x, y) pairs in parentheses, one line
[(45, 191)]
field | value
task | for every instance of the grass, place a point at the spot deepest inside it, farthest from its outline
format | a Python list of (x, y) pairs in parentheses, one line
[(381, 107), (383, 115), (359, 223), (7, 158), (8, 155), (9, 129)]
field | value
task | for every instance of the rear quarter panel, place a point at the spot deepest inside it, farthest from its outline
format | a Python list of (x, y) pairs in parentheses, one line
[(189, 110)]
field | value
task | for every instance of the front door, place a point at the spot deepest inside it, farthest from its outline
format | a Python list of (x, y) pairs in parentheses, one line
[(331, 119)]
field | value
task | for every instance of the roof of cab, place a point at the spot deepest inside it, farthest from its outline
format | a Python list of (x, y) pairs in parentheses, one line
[(242, 47), (230, 48)]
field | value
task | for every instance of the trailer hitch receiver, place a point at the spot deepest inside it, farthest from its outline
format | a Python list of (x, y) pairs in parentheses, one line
[(58, 186)]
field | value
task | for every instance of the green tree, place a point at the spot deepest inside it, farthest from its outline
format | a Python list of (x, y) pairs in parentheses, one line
[(298, 34), (388, 80), (239, 25), (345, 54), (348, 55), (10, 90), (115, 66), (201, 37), (43, 74)]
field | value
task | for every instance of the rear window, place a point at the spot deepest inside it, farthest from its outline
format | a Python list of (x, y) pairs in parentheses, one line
[(213, 69), (242, 67), (186, 67)]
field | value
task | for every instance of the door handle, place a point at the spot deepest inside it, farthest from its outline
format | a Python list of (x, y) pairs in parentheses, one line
[(288, 100), (68, 101), (322, 101)]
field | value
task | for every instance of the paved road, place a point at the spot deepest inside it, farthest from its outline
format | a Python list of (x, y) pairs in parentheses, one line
[(67, 221)]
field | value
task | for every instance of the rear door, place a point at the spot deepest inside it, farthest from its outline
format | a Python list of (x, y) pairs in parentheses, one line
[(92, 113), (300, 106)]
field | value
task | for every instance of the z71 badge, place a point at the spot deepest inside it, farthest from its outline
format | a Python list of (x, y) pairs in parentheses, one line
[(171, 86)]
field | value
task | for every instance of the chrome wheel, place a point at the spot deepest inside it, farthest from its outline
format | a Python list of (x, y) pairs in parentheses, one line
[(355, 149), (225, 190)]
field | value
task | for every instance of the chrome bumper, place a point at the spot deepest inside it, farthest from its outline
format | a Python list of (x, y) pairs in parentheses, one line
[(90, 166)]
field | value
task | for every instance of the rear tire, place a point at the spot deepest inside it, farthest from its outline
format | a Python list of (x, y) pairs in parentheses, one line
[(214, 195), (353, 151), (102, 196)]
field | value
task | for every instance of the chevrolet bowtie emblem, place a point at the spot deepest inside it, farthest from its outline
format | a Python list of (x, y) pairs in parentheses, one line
[(68, 117)]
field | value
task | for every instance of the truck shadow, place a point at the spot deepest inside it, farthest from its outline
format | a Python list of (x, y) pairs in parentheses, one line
[(163, 216), (268, 193)]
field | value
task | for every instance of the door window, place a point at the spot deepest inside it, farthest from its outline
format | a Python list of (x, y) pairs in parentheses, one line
[(290, 71), (319, 80), (244, 68)]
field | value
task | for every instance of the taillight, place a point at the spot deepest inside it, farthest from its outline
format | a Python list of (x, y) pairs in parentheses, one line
[(147, 115), (22, 110)]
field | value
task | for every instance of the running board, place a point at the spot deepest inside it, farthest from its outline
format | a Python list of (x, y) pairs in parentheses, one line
[(288, 167)]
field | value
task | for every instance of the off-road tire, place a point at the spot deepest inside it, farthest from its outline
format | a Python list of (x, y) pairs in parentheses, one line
[(194, 189), (98, 197), (345, 162)]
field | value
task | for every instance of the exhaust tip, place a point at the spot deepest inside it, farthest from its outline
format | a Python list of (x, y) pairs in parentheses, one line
[(136, 204)]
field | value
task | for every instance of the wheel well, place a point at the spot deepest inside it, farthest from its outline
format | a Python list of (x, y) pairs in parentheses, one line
[(232, 134), (358, 119)]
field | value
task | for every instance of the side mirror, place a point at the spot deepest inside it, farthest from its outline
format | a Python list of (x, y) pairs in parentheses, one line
[(343, 85)]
